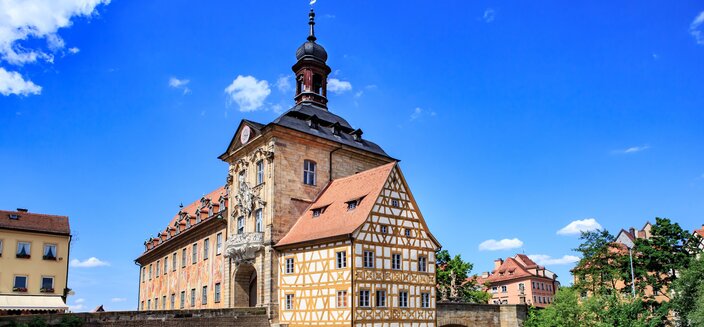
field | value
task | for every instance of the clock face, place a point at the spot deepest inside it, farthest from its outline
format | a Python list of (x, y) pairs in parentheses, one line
[(244, 136)]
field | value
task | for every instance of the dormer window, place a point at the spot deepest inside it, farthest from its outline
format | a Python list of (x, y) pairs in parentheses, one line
[(313, 122), (357, 135), (14, 216), (351, 205), (335, 128), (222, 205)]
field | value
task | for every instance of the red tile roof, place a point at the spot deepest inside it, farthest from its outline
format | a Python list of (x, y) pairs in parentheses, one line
[(520, 266), (334, 219), (35, 222), (190, 209)]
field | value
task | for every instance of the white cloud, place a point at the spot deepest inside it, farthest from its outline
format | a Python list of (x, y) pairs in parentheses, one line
[(74, 50), (504, 244), (248, 93), (578, 226), (25, 20), (489, 15), (284, 83), (91, 262), (81, 300), (546, 260), (359, 94), (337, 86), (417, 112), (697, 28), (181, 84), (118, 299), (631, 150), (13, 83)]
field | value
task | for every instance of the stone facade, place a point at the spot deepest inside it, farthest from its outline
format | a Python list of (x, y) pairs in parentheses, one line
[(281, 196)]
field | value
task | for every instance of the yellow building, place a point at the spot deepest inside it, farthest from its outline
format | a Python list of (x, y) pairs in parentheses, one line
[(182, 267), (34, 257)]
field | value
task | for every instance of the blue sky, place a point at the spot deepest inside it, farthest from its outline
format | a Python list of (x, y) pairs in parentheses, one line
[(512, 119)]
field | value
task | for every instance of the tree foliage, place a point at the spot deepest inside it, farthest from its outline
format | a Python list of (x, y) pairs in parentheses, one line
[(688, 290), (454, 271)]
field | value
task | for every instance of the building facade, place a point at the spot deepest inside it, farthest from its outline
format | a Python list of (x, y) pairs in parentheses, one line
[(277, 173), (519, 280), (360, 255), (34, 257), (183, 266)]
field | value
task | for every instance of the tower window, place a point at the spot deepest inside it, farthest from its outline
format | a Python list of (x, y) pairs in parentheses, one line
[(309, 172), (317, 83)]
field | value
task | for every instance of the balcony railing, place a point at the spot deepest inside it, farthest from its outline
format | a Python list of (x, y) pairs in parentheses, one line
[(242, 248)]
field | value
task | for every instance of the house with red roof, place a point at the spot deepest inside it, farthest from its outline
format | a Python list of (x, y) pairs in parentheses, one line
[(519, 280)]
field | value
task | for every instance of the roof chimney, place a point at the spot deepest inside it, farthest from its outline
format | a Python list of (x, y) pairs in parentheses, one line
[(22, 210), (498, 262), (633, 232)]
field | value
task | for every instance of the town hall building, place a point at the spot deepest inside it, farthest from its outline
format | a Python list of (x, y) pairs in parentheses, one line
[(315, 223)]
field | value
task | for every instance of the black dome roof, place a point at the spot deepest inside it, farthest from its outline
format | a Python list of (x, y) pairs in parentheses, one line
[(312, 49)]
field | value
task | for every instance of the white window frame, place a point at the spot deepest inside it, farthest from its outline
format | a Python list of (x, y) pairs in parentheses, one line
[(28, 248), (53, 281), (50, 245), (183, 300), (341, 299), (184, 257), (193, 297), (216, 293), (240, 225), (289, 302), (290, 266), (396, 261), (425, 300), (403, 299), (166, 264), (204, 295), (368, 259), (309, 172), (218, 244), (422, 264), (364, 298), (381, 298), (206, 248), (175, 261), (260, 172), (194, 254), (341, 259), (259, 221)]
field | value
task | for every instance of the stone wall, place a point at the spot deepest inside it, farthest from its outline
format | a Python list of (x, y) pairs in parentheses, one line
[(485, 315), (245, 317)]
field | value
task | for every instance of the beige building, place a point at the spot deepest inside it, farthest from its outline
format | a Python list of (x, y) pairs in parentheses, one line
[(34, 257), (280, 175)]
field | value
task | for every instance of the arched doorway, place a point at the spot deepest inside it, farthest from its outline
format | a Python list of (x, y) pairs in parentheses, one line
[(245, 286)]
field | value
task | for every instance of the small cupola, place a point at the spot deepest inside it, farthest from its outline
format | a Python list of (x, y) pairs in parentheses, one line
[(311, 70)]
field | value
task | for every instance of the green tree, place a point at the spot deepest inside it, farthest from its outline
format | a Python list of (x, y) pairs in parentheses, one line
[(453, 272), (601, 265), (658, 258), (688, 290)]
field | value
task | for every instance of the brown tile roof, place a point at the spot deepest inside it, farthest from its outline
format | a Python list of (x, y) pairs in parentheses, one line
[(36, 222), (334, 219)]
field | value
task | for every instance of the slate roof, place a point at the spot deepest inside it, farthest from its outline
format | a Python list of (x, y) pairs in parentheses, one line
[(297, 118), (35, 222), (335, 219)]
